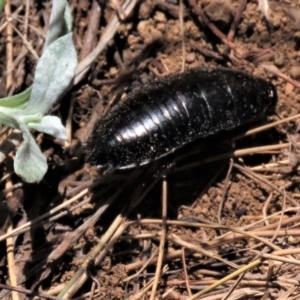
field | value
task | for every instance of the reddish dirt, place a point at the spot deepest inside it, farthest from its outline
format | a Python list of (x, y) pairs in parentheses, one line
[(147, 45)]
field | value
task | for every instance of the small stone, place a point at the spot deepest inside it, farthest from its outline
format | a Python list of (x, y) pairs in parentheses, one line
[(161, 27), (295, 72), (264, 36), (190, 57), (279, 60), (160, 17), (288, 88), (146, 9)]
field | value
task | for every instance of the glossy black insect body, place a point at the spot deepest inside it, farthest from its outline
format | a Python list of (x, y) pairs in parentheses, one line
[(162, 117)]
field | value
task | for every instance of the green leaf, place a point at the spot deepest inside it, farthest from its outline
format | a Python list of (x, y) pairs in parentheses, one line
[(30, 163), (60, 22), (50, 125), (68, 18), (16, 101), (54, 73), (2, 3), (6, 119)]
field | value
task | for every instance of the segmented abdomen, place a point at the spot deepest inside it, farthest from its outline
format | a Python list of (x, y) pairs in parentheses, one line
[(162, 117)]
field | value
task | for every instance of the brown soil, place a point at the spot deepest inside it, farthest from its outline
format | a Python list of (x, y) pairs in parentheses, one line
[(213, 198)]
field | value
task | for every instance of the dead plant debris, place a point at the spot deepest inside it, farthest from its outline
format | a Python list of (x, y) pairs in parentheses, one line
[(217, 228)]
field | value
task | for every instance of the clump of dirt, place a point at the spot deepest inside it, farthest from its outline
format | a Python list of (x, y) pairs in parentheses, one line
[(220, 12)]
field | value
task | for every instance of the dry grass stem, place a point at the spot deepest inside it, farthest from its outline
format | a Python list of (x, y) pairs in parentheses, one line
[(9, 45), (144, 266), (162, 239), (181, 9), (106, 37), (186, 273), (28, 292), (268, 126), (258, 178), (225, 189), (232, 233), (45, 216), (236, 21), (223, 280)]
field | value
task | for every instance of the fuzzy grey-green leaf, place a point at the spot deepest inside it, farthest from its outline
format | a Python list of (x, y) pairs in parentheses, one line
[(50, 125), (30, 163), (54, 73), (60, 22)]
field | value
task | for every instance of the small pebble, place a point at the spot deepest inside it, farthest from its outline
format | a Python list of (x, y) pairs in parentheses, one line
[(190, 57), (295, 72), (161, 27), (279, 60), (264, 36), (240, 212), (160, 17), (288, 88), (146, 9)]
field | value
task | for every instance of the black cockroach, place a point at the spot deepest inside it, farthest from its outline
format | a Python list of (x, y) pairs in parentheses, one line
[(163, 116)]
